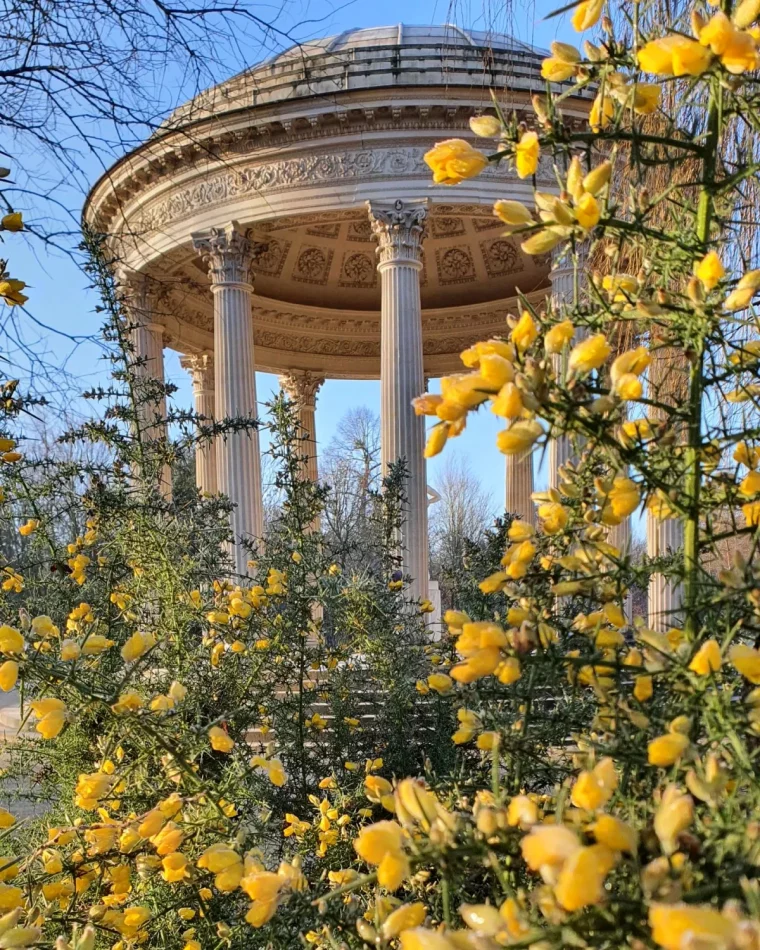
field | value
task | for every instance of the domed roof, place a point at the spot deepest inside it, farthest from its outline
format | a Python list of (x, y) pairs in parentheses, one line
[(447, 35), (371, 58)]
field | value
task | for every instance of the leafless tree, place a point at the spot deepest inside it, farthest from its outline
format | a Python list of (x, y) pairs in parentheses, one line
[(464, 512), (350, 466)]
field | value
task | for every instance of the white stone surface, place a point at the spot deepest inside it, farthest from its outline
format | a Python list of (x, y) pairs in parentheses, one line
[(201, 369), (519, 487), (229, 255), (399, 228)]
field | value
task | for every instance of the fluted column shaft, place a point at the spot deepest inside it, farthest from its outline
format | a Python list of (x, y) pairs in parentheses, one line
[(563, 292), (201, 369), (667, 384), (399, 229), (147, 338), (519, 487), (229, 254), (301, 388)]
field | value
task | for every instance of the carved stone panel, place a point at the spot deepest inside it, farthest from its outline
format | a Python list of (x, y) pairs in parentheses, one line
[(358, 270), (446, 227), (455, 264), (313, 265), (501, 257), (272, 260)]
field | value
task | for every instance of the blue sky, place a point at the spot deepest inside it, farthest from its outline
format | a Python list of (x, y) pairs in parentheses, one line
[(60, 301)]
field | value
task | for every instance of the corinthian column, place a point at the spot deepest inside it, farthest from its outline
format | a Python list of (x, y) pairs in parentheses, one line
[(229, 254), (201, 369), (519, 487), (667, 384), (399, 229), (563, 292), (147, 339), (301, 388)]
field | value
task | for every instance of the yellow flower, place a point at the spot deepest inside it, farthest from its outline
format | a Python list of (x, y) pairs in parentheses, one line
[(525, 332), (559, 336), (624, 496), (381, 844), (175, 868), (710, 270), (95, 644), (673, 816), (643, 688), (587, 14), (8, 675), (587, 211), (646, 97), (91, 788), (593, 789), (508, 403), (668, 749), (520, 436), (546, 848), (440, 682), (751, 513), (737, 50), (589, 354), (746, 660), (51, 713), (743, 293), (10, 292), (224, 862), (598, 178), (220, 740), (675, 926), (615, 834), (674, 55), (436, 440), (527, 153), (403, 918), (602, 111), (11, 640), (707, 659), (513, 213), (29, 527), (581, 880), (12, 221), (453, 161), (553, 517), (168, 839), (522, 812), (479, 664), (556, 70), (137, 645), (485, 126), (544, 241), (419, 938)]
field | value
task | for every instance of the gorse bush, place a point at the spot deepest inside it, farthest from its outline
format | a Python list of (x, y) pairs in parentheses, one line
[(286, 758)]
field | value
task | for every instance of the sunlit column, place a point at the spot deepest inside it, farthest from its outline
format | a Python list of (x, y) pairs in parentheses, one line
[(147, 338), (201, 369), (664, 536), (301, 388), (399, 229), (230, 254), (563, 292), (519, 487)]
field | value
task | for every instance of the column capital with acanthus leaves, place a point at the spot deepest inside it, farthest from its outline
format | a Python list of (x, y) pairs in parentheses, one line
[(399, 228), (230, 252)]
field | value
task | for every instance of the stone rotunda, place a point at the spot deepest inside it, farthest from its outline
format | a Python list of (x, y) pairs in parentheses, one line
[(285, 221)]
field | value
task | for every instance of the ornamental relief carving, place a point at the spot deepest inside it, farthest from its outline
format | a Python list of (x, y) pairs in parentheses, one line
[(267, 177)]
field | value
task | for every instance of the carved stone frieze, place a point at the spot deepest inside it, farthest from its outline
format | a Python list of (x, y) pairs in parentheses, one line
[(308, 170), (501, 257)]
